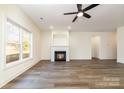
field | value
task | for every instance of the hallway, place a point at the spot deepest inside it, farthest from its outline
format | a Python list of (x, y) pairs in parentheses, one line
[(73, 74)]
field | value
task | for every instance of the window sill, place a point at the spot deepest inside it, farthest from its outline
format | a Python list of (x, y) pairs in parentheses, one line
[(14, 64)]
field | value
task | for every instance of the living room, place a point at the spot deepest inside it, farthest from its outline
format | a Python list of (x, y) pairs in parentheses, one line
[(41, 46)]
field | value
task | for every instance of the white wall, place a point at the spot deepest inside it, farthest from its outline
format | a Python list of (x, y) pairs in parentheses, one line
[(60, 38), (120, 44), (46, 45), (81, 46), (17, 15), (108, 46)]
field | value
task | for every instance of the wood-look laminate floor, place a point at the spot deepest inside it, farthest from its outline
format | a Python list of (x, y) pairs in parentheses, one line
[(73, 74)]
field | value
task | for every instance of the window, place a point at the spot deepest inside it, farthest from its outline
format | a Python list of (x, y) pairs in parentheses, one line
[(12, 47), (26, 44), (18, 42)]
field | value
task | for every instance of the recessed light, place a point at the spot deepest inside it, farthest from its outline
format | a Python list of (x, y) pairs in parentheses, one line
[(69, 27), (51, 27)]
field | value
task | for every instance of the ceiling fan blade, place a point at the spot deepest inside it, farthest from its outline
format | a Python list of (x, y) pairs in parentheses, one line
[(75, 18), (79, 7), (86, 15), (70, 13), (90, 7)]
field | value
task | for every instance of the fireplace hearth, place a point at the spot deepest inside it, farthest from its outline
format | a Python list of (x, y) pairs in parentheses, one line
[(60, 55)]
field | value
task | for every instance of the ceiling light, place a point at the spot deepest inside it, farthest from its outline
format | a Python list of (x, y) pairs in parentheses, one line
[(69, 27), (51, 27), (80, 14)]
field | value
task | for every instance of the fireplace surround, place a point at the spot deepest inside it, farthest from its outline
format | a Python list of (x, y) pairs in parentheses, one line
[(60, 46), (60, 49)]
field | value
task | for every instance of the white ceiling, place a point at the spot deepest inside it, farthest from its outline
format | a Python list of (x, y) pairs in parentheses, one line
[(105, 17)]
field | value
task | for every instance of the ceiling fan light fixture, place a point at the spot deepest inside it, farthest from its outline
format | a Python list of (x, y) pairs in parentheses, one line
[(80, 14)]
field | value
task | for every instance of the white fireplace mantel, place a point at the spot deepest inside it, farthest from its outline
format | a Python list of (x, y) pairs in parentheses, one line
[(60, 42)]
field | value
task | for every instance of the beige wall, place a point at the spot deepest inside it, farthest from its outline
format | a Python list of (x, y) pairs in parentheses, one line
[(7, 73)]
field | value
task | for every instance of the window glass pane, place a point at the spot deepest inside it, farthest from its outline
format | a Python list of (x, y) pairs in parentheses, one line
[(26, 44), (12, 44)]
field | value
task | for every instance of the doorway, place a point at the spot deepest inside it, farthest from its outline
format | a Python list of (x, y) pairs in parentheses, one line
[(95, 43)]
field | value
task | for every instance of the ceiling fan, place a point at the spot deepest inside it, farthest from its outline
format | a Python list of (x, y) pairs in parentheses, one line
[(81, 12)]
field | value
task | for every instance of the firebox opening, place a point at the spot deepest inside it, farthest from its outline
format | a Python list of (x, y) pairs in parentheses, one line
[(60, 55)]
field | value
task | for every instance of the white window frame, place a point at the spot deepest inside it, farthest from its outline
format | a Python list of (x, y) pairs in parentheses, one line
[(21, 60)]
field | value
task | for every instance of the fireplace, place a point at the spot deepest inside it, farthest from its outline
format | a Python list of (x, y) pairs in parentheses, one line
[(60, 55), (60, 46)]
